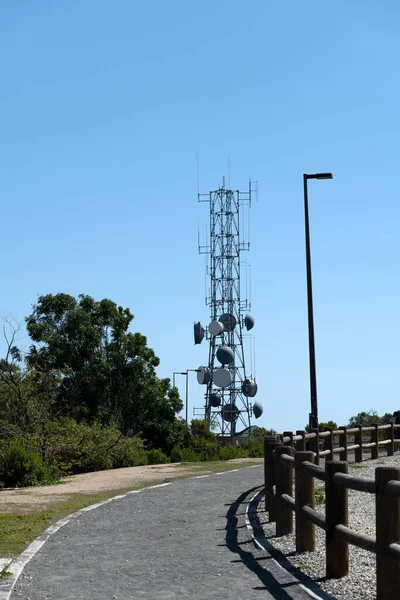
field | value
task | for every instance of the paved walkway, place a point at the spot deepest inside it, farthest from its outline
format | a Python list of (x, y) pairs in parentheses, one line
[(186, 540)]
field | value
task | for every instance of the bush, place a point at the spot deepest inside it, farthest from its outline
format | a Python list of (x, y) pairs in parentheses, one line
[(253, 449), (157, 457), (229, 452), (70, 447), (20, 467), (183, 455), (209, 453)]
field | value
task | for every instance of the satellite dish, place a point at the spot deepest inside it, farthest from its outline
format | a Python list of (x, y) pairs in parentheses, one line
[(198, 331), (257, 410), (215, 400), (228, 321), (249, 321), (215, 328), (230, 412), (203, 375), (225, 355), (249, 388), (222, 377)]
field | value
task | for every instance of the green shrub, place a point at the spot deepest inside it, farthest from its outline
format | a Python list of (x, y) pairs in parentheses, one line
[(20, 467), (209, 453), (253, 449), (176, 454), (157, 457), (71, 447), (229, 452), (184, 455), (138, 459)]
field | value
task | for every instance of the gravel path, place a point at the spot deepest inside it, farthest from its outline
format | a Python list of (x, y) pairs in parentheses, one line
[(186, 540), (361, 582)]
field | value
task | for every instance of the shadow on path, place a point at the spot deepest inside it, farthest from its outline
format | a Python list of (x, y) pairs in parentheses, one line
[(281, 558), (268, 578)]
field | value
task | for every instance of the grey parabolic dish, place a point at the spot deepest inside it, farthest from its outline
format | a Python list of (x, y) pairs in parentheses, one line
[(228, 321), (229, 412), (204, 375), (222, 377), (249, 388), (198, 331), (215, 328), (225, 355), (257, 409), (249, 321), (215, 400)]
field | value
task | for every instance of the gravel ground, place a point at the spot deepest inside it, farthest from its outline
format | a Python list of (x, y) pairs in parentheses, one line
[(361, 582)]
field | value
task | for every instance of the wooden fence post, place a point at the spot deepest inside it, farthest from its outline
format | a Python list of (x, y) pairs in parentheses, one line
[(336, 496), (284, 485), (387, 532), (301, 444), (358, 438), (288, 434), (390, 447), (314, 444), (343, 443), (304, 494), (270, 443), (329, 444), (375, 438)]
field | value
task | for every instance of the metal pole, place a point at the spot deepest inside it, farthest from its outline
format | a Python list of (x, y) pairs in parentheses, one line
[(187, 394), (313, 417)]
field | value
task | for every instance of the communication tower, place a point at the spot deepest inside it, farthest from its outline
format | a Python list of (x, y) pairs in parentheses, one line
[(229, 385)]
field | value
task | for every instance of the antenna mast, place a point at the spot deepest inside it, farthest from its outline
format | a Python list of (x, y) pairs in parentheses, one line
[(228, 385)]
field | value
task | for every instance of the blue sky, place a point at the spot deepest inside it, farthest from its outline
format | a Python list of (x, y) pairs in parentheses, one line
[(105, 108)]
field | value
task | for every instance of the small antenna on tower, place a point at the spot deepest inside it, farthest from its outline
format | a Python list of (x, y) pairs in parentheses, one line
[(254, 355), (198, 175), (249, 287), (229, 172)]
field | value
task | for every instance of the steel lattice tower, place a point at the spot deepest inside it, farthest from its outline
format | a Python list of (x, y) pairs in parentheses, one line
[(227, 407)]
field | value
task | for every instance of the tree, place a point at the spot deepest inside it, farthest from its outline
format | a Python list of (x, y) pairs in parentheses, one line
[(108, 373), (368, 418), (327, 425), (26, 394)]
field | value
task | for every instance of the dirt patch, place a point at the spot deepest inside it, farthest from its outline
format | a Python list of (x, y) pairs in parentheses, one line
[(89, 483)]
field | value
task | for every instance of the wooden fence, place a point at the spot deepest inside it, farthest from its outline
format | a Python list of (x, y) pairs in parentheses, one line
[(282, 462)]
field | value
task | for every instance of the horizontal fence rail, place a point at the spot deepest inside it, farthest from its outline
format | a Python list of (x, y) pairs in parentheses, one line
[(345, 440), (291, 465)]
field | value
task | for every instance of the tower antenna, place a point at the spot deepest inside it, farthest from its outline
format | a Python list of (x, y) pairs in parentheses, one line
[(228, 387)]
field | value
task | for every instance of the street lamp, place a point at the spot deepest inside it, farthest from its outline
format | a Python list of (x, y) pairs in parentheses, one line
[(187, 387), (176, 373), (313, 416)]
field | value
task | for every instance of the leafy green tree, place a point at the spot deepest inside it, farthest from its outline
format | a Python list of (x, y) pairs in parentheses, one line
[(327, 425), (26, 394), (200, 436), (368, 418), (259, 433), (108, 373)]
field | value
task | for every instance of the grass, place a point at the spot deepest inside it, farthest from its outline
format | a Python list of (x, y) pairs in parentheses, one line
[(319, 495), (18, 527), (4, 574)]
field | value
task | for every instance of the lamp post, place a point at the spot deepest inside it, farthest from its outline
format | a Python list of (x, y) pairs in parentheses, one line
[(187, 387), (313, 416), (176, 373)]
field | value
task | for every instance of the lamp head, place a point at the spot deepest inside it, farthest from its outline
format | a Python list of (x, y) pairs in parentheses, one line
[(318, 176)]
